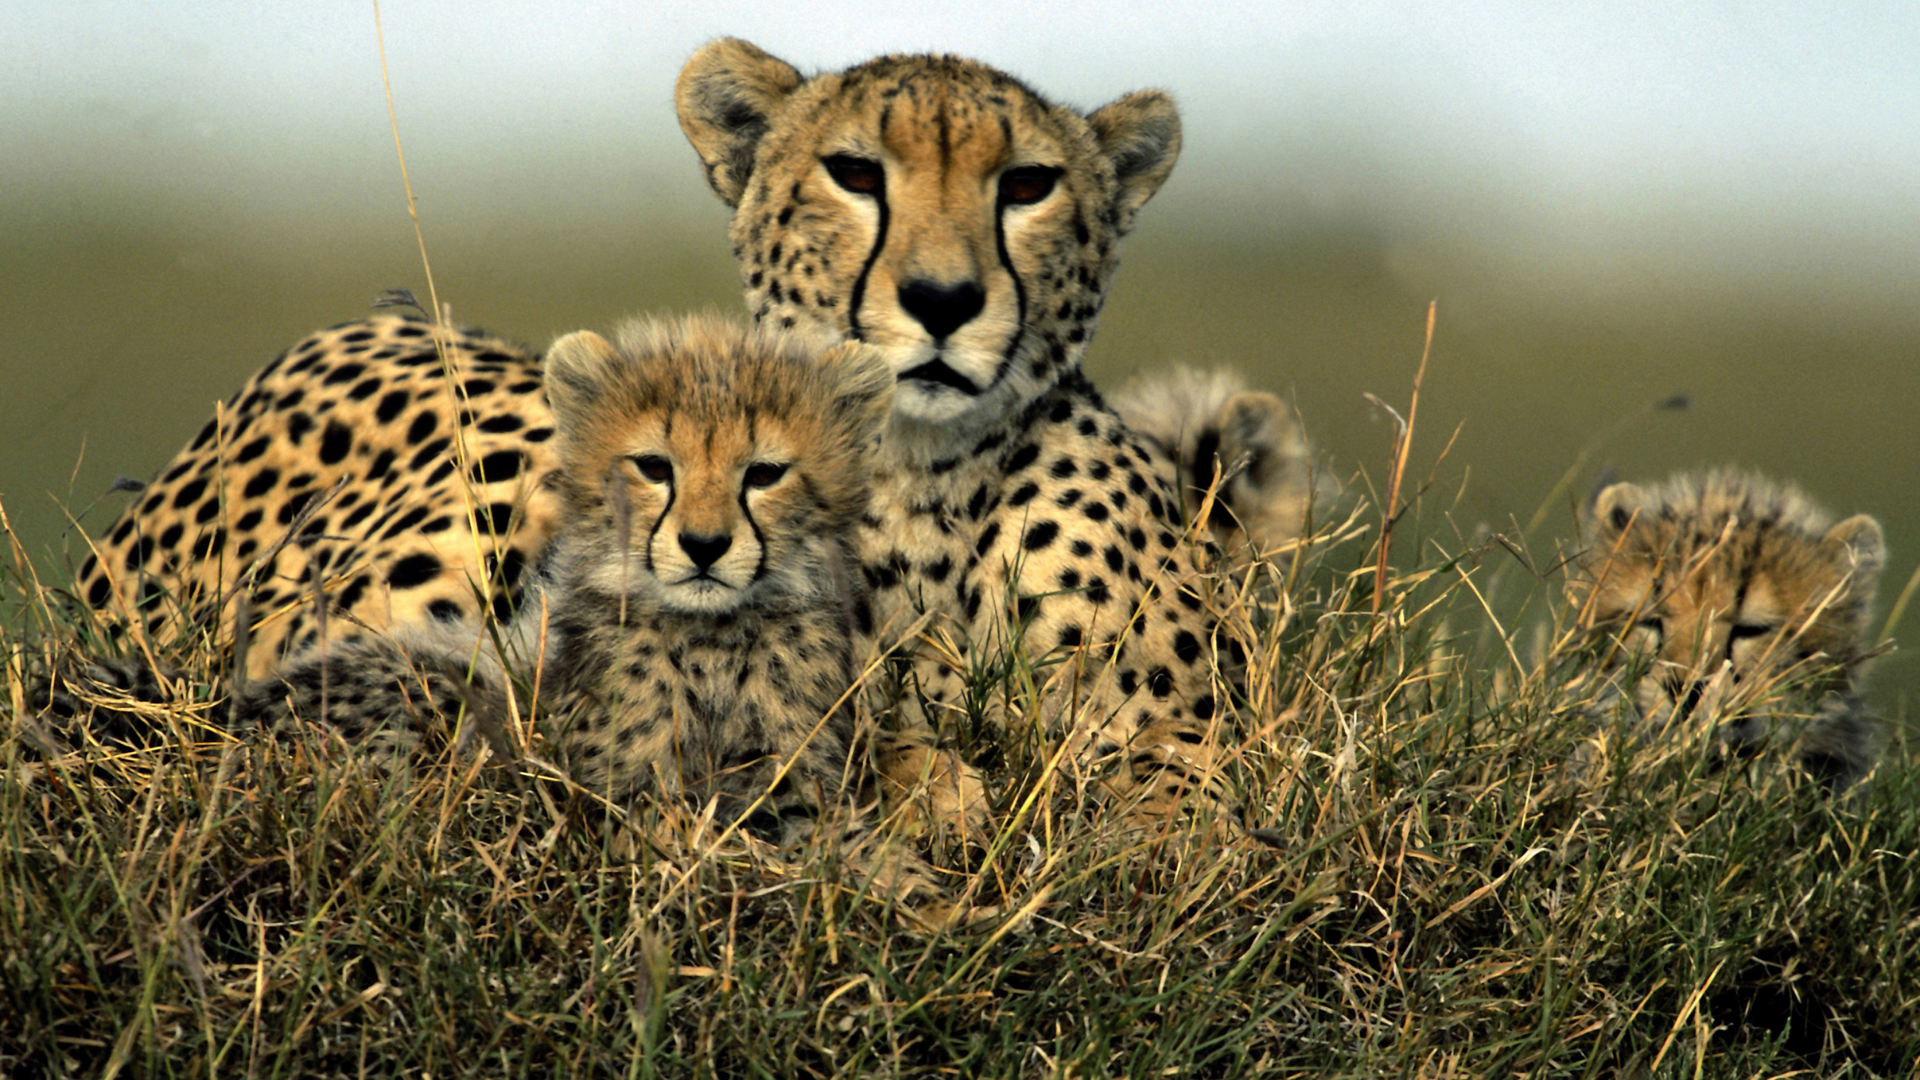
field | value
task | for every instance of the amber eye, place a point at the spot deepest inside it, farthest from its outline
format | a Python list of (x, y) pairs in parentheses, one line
[(858, 175), (654, 467), (1027, 184), (764, 474)]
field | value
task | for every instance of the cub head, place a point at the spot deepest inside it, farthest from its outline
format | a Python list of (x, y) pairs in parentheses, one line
[(1723, 583), (931, 206), (710, 466)]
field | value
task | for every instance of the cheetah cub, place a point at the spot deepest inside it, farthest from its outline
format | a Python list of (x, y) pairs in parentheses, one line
[(693, 617), (1726, 596), (1209, 424)]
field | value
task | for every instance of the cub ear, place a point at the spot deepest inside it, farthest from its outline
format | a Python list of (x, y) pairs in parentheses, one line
[(579, 367), (1861, 543), (1140, 134), (1615, 507), (727, 96), (862, 390)]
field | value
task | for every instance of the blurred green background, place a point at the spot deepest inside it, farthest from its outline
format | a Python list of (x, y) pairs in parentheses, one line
[(1612, 204)]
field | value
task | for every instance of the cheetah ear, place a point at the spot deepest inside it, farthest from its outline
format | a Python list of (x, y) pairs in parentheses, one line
[(579, 367), (863, 388), (727, 96), (1140, 134), (1615, 507), (1260, 427), (1861, 543)]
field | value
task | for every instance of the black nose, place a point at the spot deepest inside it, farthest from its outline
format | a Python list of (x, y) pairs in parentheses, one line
[(704, 550), (942, 309)]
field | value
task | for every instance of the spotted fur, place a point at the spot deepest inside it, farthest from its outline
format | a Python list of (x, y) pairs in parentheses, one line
[(391, 467), (1736, 597), (968, 227)]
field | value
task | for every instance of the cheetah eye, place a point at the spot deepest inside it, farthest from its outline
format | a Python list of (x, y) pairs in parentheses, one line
[(654, 467), (764, 474), (1741, 631), (861, 176), (1653, 623), (1027, 184)]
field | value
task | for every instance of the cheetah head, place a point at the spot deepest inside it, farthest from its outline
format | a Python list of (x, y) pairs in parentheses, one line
[(1722, 585), (711, 467), (930, 206)]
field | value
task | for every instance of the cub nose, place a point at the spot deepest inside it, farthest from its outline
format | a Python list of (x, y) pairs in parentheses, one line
[(704, 550), (942, 309)]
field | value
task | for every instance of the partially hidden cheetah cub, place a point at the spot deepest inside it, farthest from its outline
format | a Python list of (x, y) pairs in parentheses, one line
[(692, 621), (1245, 446), (1729, 599)]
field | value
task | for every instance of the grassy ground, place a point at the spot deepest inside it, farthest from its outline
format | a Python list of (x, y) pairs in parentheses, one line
[(1433, 892)]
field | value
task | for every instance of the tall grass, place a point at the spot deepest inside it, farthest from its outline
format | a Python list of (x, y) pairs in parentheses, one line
[(1430, 887)]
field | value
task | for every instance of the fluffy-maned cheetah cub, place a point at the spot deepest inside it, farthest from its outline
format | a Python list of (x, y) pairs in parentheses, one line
[(697, 597), (1724, 591), (1211, 426)]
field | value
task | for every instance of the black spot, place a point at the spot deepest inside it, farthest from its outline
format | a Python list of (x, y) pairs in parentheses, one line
[(1137, 538), (1040, 535), (206, 433), (987, 536), (207, 512), (336, 443), (1070, 637), (291, 398), (413, 571), (444, 610), (365, 389), (262, 482), (297, 427), (380, 465), (437, 525), (1096, 510), (346, 372), (422, 426), (1063, 468), (391, 406), (937, 571), (497, 466), (1069, 579), (476, 387), (1023, 457), (427, 453), (501, 425), (1203, 708), (1186, 647), (406, 521), (537, 435), (1024, 495), (189, 493), (98, 592), (1160, 682), (248, 521)]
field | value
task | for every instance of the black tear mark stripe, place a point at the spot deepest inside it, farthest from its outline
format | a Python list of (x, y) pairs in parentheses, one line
[(1006, 263), (760, 567), (859, 290)]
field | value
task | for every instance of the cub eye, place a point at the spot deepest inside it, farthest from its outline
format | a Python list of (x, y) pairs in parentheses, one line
[(764, 474), (1027, 184), (654, 467), (1740, 631), (1653, 623), (861, 176)]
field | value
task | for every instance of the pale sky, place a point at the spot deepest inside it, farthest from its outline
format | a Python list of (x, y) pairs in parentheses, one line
[(1756, 131)]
